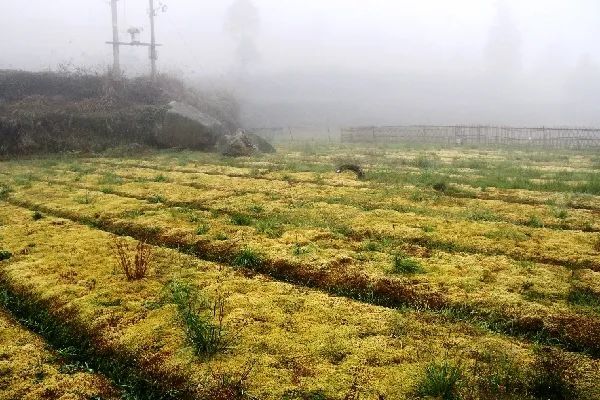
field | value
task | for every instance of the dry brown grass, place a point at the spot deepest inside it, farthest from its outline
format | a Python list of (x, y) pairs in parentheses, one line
[(137, 268)]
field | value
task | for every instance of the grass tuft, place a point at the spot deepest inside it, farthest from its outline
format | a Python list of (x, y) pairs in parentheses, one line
[(202, 229), (197, 314), (441, 381), (36, 216), (5, 190), (403, 264), (240, 219), (247, 258)]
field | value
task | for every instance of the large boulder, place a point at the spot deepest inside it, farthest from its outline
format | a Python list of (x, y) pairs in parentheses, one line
[(185, 126), (237, 145), (261, 144)]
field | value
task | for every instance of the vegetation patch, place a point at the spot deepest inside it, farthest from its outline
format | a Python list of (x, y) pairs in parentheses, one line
[(5, 255), (442, 380), (248, 258), (135, 268), (403, 264), (202, 318)]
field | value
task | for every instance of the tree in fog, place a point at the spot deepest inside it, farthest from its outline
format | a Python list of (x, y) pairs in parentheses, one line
[(243, 25)]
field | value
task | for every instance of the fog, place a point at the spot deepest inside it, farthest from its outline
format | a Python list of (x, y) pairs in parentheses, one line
[(343, 62)]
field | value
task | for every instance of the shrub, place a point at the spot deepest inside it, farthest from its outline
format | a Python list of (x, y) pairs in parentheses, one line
[(406, 265), (197, 314), (37, 215), (247, 258), (5, 255), (137, 269), (160, 178), (441, 381), (241, 219)]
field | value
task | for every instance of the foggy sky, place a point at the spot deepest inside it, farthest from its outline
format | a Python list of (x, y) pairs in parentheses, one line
[(345, 61)]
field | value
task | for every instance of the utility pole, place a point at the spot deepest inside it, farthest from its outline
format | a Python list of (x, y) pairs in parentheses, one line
[(153, 55), (115, 25), (134, 32)]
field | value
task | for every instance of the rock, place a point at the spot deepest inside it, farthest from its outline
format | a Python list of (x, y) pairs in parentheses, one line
[(238, 145), (261, 144), (185, 126)]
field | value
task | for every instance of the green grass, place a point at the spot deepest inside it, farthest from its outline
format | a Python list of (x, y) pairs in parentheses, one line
[(5, 190), (247, 258), (241, 219), (583, 296), (110, 178), (203, 319), (441, 381), (5, 255), (403, 264), (271, 227), (202, 229)]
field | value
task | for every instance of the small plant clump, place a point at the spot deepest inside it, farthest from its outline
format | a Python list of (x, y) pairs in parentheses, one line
[(240, 219), (403, 264), (440, 187), (197, 314), (36, 216), (441, 381), (5, 255), (4, 191), (202, 229), (247, 258), (138, 268)]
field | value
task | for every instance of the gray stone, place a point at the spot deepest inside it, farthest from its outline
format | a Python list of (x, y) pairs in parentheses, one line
[(238, 145), (187, 127)]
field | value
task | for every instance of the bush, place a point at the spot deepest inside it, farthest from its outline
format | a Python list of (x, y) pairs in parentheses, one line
[(247, 258), (441, 381), (406, 265), (36, 216), (137, 269)]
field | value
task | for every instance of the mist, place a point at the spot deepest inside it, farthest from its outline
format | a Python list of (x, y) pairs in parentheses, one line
[(336, 63)]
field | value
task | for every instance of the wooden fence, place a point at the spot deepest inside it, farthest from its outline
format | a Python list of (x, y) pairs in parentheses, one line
[(579, 138)]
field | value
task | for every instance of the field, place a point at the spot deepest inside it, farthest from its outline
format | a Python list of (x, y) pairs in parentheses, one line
[(451, 273)]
